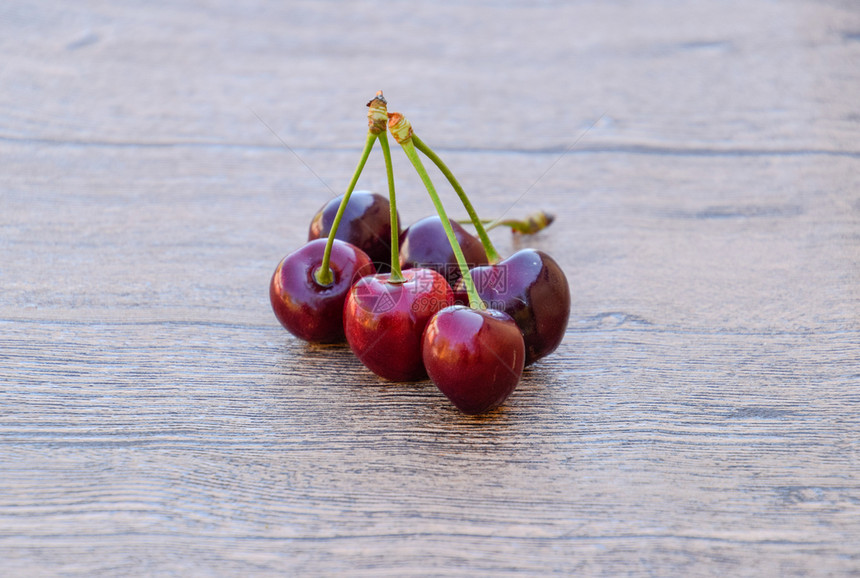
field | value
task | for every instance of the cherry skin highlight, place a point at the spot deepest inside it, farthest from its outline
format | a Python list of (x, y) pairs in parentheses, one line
[(530, 287), (384, 320), (475, 357), (366, 223), (424, 244), (307, 309)]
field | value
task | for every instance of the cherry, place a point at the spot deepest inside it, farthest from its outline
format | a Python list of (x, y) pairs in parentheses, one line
[(531, 288), (425, 244), (307, 308), (475, 357), (366, 223), (384, 320)]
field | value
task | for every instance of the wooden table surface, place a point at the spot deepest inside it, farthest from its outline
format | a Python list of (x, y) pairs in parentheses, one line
[(701, 417)]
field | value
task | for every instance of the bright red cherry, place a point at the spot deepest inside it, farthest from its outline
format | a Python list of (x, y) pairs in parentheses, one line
[(366, 223), (307, 309), (530, 287), (384, 320), (474, 357), (424, 244)]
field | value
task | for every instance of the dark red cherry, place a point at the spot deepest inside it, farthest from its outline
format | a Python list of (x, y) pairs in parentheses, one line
[(530, 287), (474, 357), (384, 321), (308, 310), (424, 244), (366, 223)]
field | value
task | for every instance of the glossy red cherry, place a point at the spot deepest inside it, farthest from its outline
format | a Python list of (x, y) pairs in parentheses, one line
[(424, 244), (366, 223), (474, 357), (307, 309), (384, 320), (531, 288)]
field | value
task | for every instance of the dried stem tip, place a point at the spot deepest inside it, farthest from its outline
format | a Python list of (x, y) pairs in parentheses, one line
[(401, 129), (533, 223), (377, 116)]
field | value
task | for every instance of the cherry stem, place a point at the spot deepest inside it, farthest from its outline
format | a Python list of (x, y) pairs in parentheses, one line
[(530, 225), (324, 275), (492, 254), (396, 274), (475, 301)]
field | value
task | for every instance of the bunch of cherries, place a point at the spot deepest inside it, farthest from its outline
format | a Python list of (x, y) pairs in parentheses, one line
[(429, 300)]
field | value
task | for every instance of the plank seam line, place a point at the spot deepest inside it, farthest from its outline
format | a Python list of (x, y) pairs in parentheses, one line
[(637, 149)]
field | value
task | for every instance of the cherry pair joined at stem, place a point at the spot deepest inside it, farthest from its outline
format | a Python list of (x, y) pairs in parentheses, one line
[(474, 355), (529, 285), (314, 270)]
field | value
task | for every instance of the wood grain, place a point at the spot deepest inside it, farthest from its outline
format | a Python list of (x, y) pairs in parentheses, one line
[(700, 417)]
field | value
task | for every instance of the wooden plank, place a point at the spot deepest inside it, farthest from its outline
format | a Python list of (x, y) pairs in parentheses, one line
[(700, 417)]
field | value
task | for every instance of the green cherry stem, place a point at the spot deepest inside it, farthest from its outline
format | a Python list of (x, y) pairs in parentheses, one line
[(324, 275), (396, 273), (402, 132), (377, 122), (530, 225), (492, 254)]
